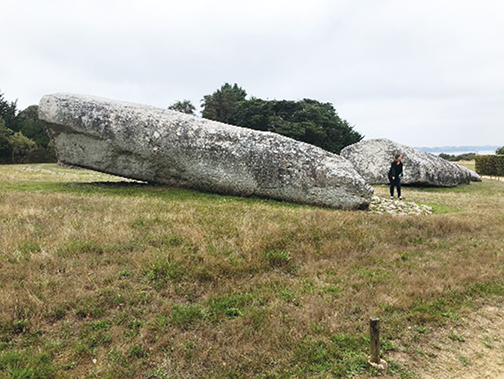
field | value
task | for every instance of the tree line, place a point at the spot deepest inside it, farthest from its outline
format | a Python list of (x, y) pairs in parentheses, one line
[(455, 158), (467, 156), (305, 120), (24, 139)]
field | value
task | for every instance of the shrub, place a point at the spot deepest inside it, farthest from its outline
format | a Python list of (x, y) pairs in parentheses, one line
[(461, 157), (490, 165)]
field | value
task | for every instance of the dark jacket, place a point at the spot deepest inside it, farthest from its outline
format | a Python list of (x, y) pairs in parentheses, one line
[(395, 170)]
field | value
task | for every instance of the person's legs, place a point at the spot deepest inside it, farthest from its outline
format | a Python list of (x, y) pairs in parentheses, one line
[(391, 188), (398, 185)]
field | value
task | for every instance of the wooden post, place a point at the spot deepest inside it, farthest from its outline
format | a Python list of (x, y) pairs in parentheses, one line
[(374, 331)]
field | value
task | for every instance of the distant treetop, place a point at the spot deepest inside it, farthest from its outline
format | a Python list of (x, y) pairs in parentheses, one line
[(220, 105)]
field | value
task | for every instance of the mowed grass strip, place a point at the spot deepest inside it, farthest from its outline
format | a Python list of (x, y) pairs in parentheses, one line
[(100, 277)]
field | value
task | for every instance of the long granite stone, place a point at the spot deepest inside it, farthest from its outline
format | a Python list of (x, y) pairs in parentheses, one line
[(372, 159), (168, 147)]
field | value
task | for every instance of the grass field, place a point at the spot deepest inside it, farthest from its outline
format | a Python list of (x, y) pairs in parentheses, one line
[(103, 278), (471, 165)]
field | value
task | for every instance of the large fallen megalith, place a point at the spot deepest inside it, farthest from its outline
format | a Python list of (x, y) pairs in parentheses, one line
[(372, 159), (168, 147)]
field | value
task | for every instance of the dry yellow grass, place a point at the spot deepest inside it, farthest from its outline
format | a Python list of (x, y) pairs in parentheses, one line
[(471, 165), (139, 281)]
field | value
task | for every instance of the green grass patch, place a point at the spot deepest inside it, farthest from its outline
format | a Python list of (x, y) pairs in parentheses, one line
[(440, 208), (278, 258), (161, 270), (339, 356), (232, 305), (26, 364), (76, 247), (186, 315)]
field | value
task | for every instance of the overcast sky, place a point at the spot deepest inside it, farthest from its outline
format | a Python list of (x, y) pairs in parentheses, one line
[(419, 72)]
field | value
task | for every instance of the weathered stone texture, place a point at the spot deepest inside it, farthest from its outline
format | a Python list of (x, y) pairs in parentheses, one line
[(163, 146), (372, 159), (398, 207)]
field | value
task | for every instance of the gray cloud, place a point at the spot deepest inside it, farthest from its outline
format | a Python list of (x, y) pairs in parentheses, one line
[(422, 72)]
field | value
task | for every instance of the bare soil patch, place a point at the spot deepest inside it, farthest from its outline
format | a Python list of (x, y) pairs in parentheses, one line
[(472, 348)]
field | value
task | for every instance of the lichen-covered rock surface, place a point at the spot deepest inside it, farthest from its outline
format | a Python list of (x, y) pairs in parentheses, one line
[(163, 146), (372, 159)]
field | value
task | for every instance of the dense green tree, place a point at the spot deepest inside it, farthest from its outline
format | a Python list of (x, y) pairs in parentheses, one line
[(23, 137), (5, 146), (23, 148), (306, 120), (219, 106), (184, 106), (30, 125), (15, 147), (8, 111), (500, 151)]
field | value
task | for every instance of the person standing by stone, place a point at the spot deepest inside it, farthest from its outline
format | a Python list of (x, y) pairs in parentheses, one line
[(395, 175)]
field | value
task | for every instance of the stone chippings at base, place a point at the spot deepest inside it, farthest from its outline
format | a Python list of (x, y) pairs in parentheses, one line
[(397, 207), (163, 146), (372, 159)]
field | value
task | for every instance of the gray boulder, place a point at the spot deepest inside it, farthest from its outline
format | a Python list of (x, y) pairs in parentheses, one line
[(372, 159), (163, 146)]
